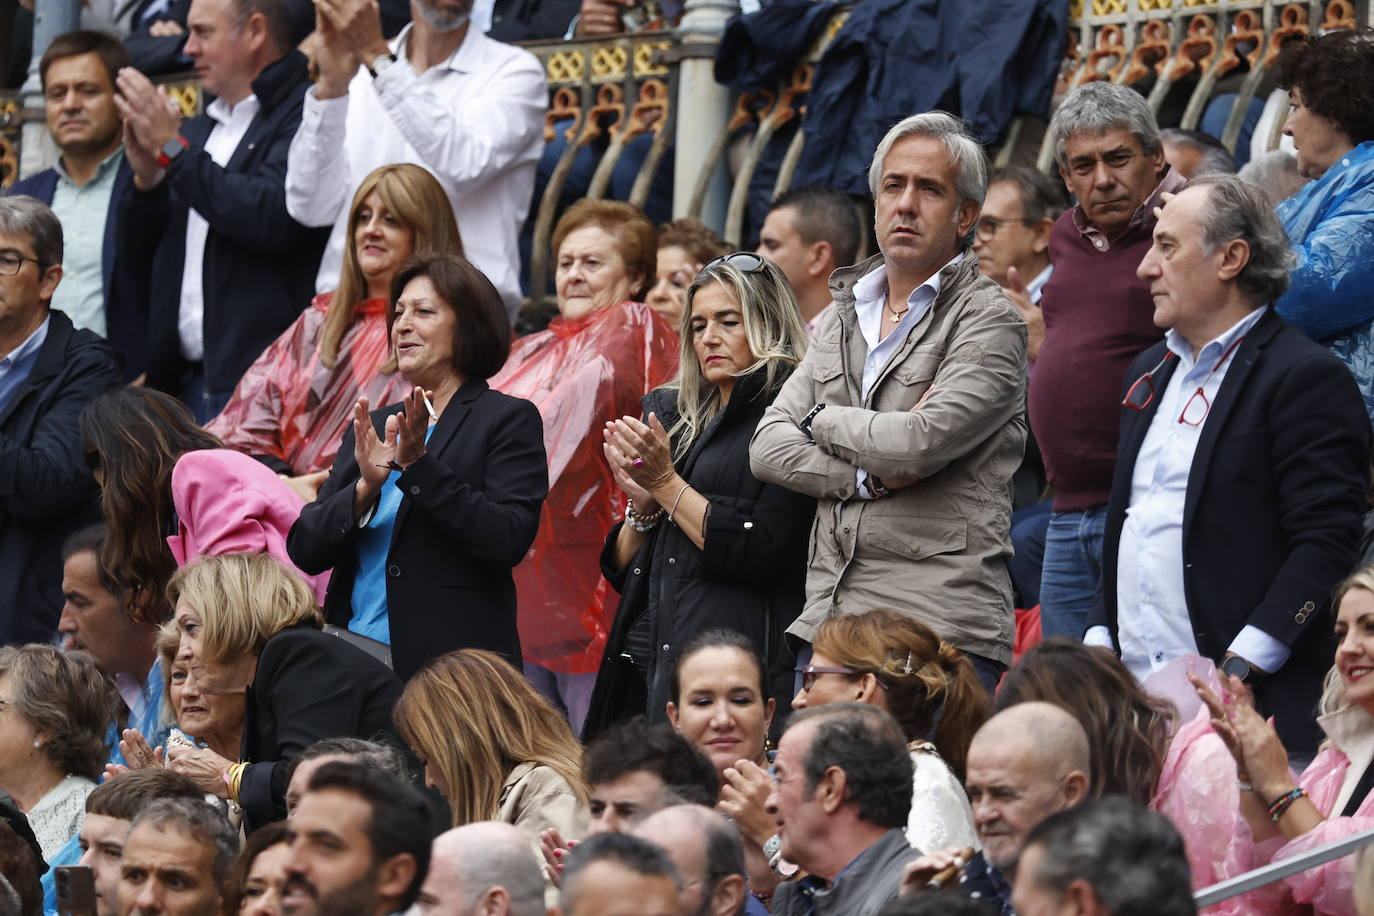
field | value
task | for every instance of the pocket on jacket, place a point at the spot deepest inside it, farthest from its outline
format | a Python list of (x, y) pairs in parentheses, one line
[(827, 365), (916, 538)]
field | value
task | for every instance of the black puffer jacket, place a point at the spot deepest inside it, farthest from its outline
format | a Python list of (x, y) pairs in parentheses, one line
[(750, 577)]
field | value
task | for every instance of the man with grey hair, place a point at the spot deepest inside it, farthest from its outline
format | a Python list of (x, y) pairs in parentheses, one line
[(49, 371), (1195, 153), (481, 869), (1237, 500), (1109, 857), (176, 860), (906, 417), (616, 874), (708, 856), (1097, 319)]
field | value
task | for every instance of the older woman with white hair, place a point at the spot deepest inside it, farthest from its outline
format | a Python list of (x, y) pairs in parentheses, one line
[(704, 543)]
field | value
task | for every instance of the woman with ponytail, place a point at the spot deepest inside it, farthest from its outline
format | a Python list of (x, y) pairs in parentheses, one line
[(892, 661)]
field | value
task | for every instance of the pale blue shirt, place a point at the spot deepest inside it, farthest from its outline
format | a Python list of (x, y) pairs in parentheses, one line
[(1036, 287), (870, 298), (1153, 626), (83, 210), (16, 366)]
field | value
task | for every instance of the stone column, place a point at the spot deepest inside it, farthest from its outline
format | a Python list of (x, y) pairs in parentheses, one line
[(703, 105)]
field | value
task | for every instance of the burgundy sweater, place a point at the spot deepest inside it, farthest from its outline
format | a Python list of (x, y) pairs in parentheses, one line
[(1098, 318)]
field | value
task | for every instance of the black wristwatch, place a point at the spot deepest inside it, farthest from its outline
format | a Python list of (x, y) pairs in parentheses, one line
[(805, 424), (1235, 666)]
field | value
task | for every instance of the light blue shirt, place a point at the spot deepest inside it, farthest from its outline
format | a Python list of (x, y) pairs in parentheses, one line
[(370, 615), (870, 298), (15, 367), (1153, 626), (144, 699), (83, 209)]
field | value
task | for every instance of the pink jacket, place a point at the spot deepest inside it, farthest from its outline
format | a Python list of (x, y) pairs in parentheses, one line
[(226, 503)]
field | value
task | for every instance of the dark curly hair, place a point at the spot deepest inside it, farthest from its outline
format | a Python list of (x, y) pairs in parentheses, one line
[(66, 696), (1335, 74)]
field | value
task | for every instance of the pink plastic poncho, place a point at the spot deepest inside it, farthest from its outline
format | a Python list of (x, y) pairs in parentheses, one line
[(580, 374), (292, 407)]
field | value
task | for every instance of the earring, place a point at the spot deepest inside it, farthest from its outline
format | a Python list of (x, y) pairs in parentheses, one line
[(37, 743)]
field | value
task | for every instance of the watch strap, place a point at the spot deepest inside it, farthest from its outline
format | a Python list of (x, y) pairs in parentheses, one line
[(380, 63), (170, 150)]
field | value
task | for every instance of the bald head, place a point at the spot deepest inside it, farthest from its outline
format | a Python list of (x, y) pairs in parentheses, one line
[(1024, 764), (486, 864)]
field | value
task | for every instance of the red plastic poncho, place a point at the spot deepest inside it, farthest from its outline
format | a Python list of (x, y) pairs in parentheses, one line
[(290, 406), (580, 374)]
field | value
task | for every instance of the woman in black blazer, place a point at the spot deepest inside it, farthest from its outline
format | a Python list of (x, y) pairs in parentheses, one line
[(246, 624), (432, 502)]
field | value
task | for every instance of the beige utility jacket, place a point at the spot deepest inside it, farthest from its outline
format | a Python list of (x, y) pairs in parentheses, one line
[(936, 549)]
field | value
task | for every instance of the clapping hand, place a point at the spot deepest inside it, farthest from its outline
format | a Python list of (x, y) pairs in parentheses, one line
[(1031, 314), (410, 427), (137, 753), (352, 25), (203, 766), (1249, 737), (601, 17), (555, 850), (150, 119), (744, 792), (645, 452)]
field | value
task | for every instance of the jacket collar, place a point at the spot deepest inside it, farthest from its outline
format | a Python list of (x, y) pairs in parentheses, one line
[(842, 282), (278, 78), (52, 358)]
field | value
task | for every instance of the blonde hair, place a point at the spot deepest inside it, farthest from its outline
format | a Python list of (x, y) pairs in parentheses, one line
[(414, 197), (474, 718), (772, 324), (931, 688), (1333, 688), (243, 599)]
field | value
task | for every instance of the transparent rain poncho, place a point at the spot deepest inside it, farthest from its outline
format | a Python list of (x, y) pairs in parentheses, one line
[(290, 407), (580, 374)]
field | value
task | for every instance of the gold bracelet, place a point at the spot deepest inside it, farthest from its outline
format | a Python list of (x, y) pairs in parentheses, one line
[(236, 780)]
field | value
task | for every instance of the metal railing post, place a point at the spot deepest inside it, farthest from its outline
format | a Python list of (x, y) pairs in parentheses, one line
[(703, 105)]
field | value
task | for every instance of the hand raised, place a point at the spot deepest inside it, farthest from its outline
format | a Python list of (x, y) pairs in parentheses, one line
[(1030, 313)]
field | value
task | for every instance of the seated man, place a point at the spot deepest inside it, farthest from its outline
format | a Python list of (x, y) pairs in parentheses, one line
[(842, 800), (78, 72), (482, 869), (48, 373), (709, 858), (95, 618), (359, 846), (110, 810), (1024, 764), (809, 232), (176, 860), (1104, 858), (442, 95), (616, 874)]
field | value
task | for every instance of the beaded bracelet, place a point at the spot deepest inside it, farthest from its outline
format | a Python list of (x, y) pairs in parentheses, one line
[(1284, 802), (642, 523)]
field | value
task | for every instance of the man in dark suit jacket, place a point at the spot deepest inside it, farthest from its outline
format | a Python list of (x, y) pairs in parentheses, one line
[(1244, 461), (78, 76), (223, 266), (49, 371)]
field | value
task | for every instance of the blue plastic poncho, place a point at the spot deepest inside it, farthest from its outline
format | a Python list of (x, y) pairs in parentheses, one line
[(1331, 296)]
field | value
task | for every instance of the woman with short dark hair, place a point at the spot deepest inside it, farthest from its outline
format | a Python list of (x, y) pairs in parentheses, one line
[(432, 502)]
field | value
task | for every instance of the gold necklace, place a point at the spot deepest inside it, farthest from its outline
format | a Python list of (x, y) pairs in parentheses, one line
[(896, 316)]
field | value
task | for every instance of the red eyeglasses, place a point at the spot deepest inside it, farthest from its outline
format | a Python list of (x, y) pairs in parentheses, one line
[(1141, 394)]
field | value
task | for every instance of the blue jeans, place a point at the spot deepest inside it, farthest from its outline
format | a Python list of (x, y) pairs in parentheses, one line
[(1071, 584), (204, 405), (1028, 527)]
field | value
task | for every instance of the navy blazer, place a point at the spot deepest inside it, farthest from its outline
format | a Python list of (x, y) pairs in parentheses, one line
[(1272, 516), (469, 512), (259, 266), (46, 491), (126, 325)]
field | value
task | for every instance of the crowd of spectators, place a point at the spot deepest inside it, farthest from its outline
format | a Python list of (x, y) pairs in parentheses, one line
[(1016, 567)]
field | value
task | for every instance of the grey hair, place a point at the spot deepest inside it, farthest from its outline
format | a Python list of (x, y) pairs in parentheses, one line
[(772, 324), (1095, 108), (964, 151), (1133, 858), (1216, 158), (377, 755), (483, 855), (1275, 173), (67, 696), (624, 849), (200, 822), (1237, 209), (28, 216)]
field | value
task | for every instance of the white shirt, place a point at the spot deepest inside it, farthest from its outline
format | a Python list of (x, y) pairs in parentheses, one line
[(231, 123), (1036, 287), (474, 121), (1153, 626), (870, 304)]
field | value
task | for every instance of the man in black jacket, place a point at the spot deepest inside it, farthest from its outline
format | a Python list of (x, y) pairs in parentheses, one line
[(1244, 460), (223, 267), (48, 372)]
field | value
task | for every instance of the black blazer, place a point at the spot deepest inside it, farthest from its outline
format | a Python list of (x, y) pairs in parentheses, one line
[(46, 491), (469, 512), (260, 264), (1272, 517), (750, 577), (308, 686)]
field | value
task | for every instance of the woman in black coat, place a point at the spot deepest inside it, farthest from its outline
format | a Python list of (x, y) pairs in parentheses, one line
[(705, 545), (431, 503)]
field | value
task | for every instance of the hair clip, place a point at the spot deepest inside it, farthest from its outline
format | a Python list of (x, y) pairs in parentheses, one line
[(907, 669)]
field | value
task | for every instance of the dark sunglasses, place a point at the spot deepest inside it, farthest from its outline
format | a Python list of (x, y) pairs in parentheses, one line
[(746, 261)]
